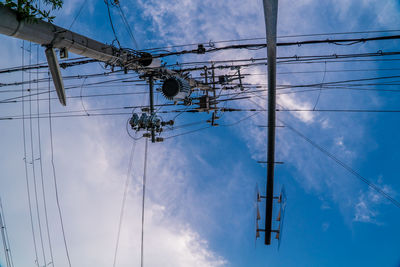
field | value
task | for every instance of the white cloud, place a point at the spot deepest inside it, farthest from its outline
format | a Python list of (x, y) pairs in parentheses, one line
[(92, 201), (366, 209), (339, 141), (364, 213), (291, 102), (92, 177), (91, 169)]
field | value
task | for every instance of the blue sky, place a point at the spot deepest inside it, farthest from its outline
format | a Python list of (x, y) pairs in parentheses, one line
[(201, 187)]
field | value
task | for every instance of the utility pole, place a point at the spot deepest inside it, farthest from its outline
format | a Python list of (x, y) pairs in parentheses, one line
[(151, 85), (52, 36), (271, 15)]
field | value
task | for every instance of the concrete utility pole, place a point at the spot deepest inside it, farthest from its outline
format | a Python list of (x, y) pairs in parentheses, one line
[(52, 36), (271, 15)]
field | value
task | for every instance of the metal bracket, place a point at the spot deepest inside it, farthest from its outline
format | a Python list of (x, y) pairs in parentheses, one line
[(56, 74)]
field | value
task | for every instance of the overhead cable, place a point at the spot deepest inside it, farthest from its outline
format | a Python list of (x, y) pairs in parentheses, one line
[(349, 41), (143, 201), (344, 165), (25, 159), (126, 187), (56, 185)]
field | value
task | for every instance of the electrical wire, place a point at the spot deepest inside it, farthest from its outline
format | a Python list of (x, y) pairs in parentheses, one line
[(344, 165), (116, 80), (239, 121), (143, 199), (83, 105), (33, 163), (77, 86), (26, 164), (349, 41), (55, 184), (144, 176), (320, 89), (125, 21), (77, 15), (63, 64), (73, 77), (295, 59), (189, 132), (6, 240), (263, 38), (221, 109), (343, 110), (41, 168), (111, 23), (121, 216)]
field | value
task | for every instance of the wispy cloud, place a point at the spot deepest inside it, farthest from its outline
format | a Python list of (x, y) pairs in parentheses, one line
[(368, 204)]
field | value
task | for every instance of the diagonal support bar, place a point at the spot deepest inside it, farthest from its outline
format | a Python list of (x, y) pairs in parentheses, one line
[(271, 15), (54, 68)]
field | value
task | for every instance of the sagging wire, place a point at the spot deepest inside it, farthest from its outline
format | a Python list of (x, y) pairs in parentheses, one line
[(83, 105), (26, 163), (55, 180), (121, 216), (320, 88), (143, 201)]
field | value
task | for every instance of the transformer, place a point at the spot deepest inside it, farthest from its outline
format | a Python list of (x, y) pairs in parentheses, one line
[(145, 122), (134, 121), (176, 88)]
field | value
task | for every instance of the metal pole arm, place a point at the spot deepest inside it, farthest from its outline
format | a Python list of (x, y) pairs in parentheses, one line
[(48, 34)]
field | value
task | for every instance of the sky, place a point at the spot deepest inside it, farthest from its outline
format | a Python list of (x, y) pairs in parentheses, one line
[(201, 187)]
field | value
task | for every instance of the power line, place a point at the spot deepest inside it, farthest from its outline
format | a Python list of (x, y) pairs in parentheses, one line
[(320, 88), (209, 126), (6, 240), (343, 110), (63, 64), (125, 21), (55, 183), (41, 93), (72, 77), (346, 81), (124, 79), (121, 216), (41, 168), (143, 199), (25, 162), (239, 121), (111, 23), (68, 115), (211, 43), (77, 15), (33, 163), (295, 59), (344, 165), (298, 60), (349, 41), (189, 132)]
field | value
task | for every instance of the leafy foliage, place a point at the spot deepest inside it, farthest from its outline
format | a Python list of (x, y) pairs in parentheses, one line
[(30, 10)]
